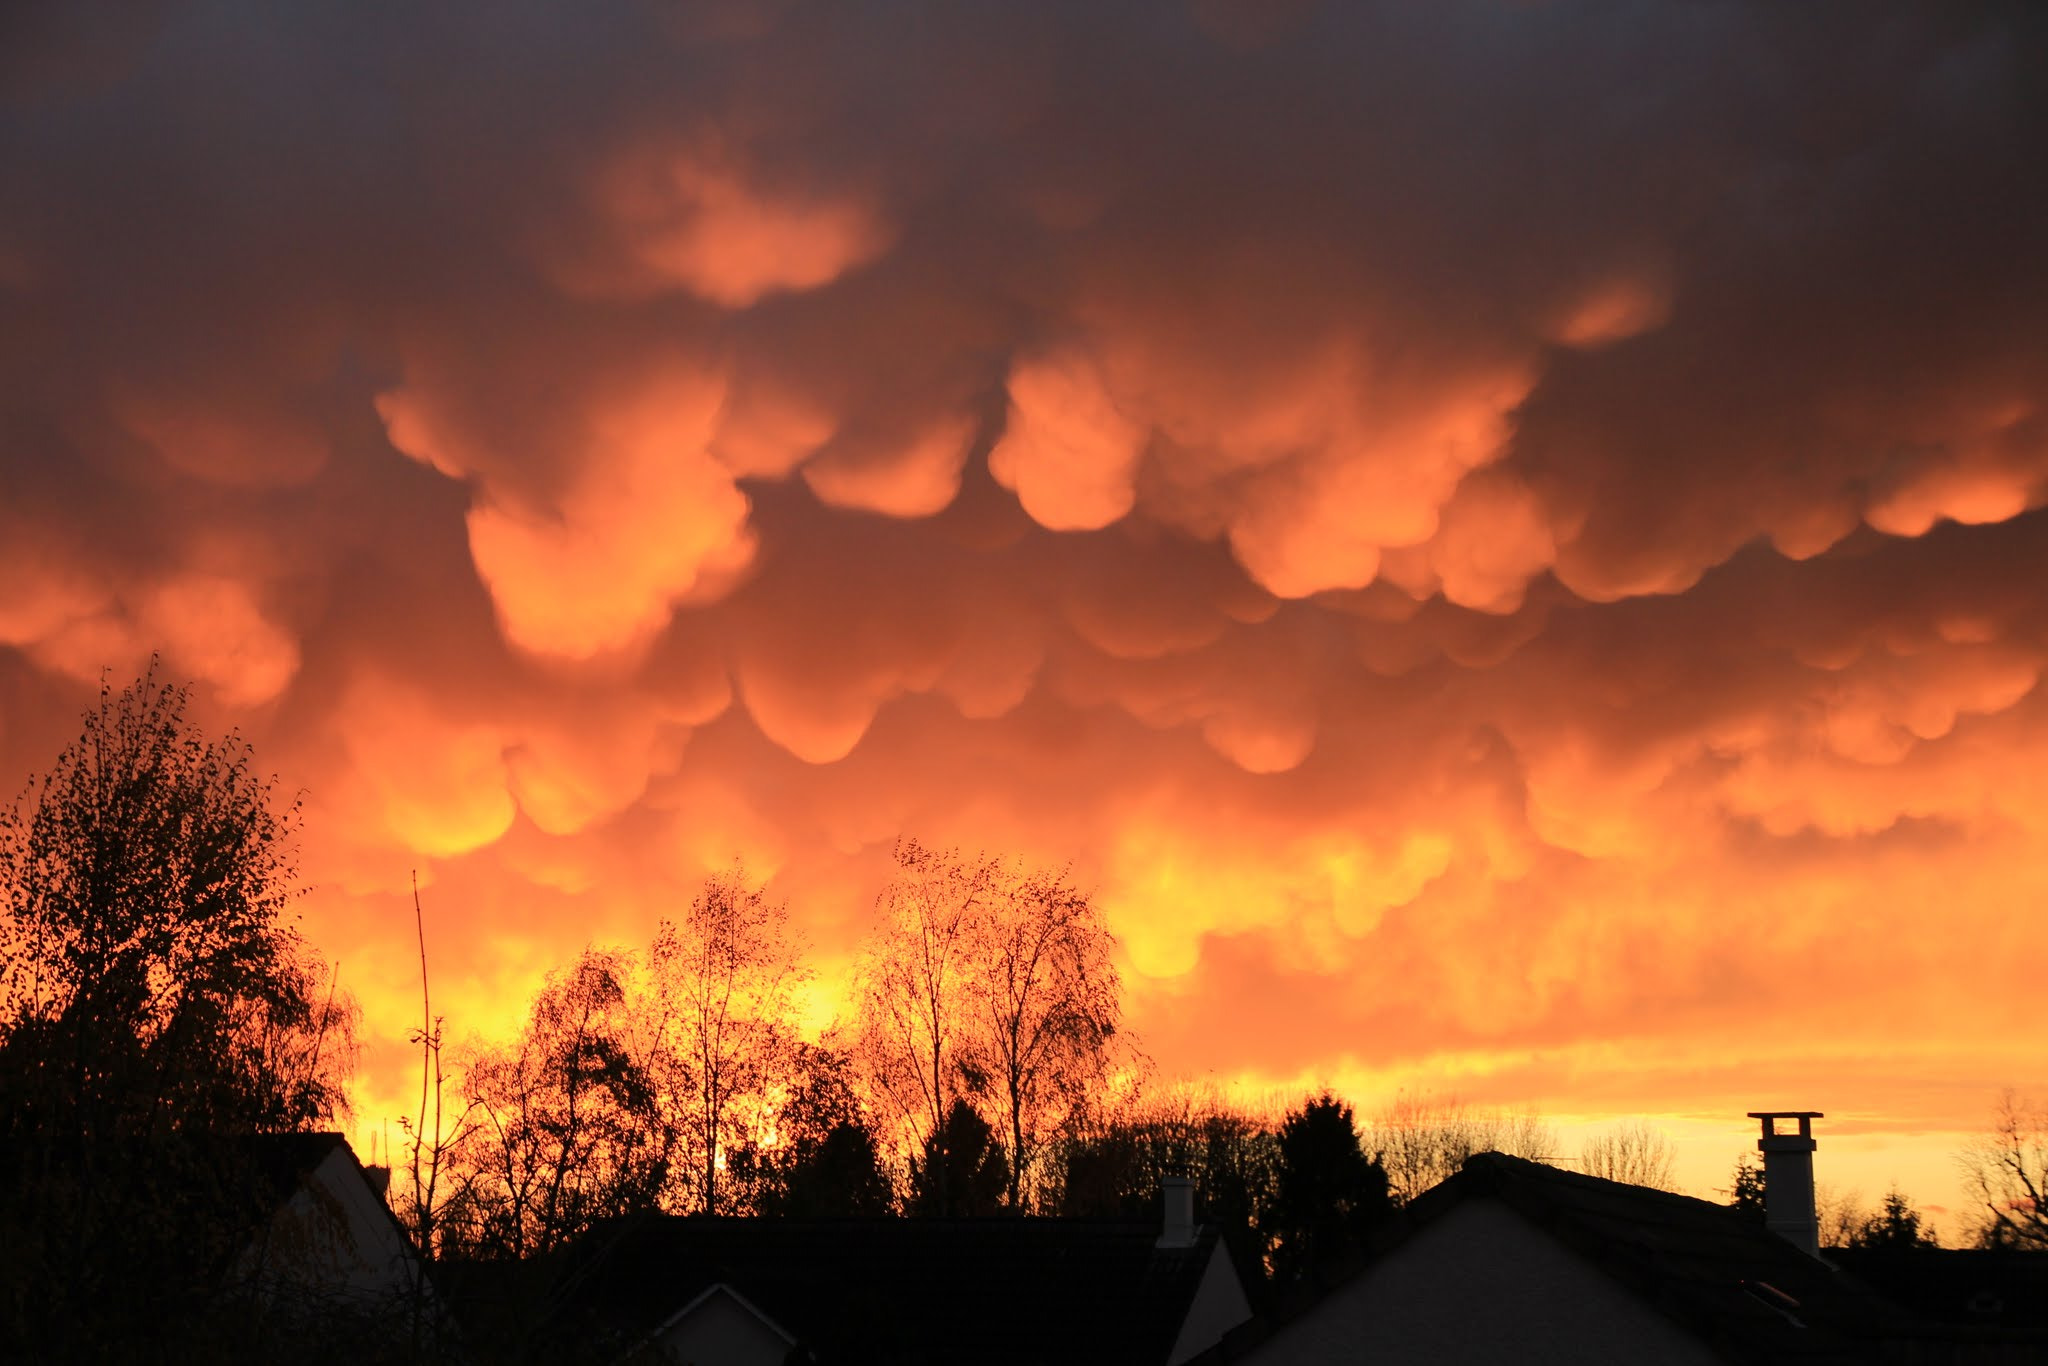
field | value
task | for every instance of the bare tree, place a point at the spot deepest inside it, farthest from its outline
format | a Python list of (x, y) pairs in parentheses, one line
[(435, 1183), (914, 1010), (1049, 1003), (563, 1134), (1635, 1152), (2008, 1170), (1421, 1140), (1838, 1214), (990, 983), (1114, 1162), (724, 979)]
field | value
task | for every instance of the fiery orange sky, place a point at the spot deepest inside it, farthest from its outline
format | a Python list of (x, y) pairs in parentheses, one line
[(1504, 540)]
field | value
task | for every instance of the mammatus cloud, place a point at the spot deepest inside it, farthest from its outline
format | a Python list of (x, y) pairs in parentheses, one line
[(1503, 540), (629, 515)]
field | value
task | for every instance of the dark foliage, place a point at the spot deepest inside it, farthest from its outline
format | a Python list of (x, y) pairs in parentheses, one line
[(840, 1176), (1329, 1193), (962, 1172), (152, 998), (827, 1163), (1746, 1187), (1897, 1226), (564, 1131), (1117, 1167)]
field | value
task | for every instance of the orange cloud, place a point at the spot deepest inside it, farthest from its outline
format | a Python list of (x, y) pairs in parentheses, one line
[(916, 481), (437, 783), (645, 518), (690, 219), (213, 628), (1069, 455), (1623, 305)]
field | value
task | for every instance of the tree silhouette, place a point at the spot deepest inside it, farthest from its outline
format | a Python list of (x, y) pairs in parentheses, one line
[(153, 995), (1115, 1164), (1421, 1139), (564, 1130), (913, 1012), (1746, 1186), (1330, 1193), (825, 1159), (723, 979), (992, 982), (1896, 1226), (150, 963), (839, 1176), (2008, 1169), (1049, 1004), (961, 1172), (1634, 1152)]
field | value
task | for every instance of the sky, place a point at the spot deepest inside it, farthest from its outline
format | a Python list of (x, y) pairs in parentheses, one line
[(1502, 541)]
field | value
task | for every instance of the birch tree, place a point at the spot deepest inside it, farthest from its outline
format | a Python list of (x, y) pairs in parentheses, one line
[(563, 1132), (989, 983), (148, 966), (1049, 1003), (914, 1011), (725, 979)]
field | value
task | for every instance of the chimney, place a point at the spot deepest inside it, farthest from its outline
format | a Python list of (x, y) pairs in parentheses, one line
[(1788, 1178), (1179, 1229), (380, 1182)]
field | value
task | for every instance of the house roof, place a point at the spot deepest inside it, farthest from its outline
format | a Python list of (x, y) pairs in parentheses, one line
[(719, 1290), (902, 1290), (1716, 1272), (275, 1164), (229, 1185)]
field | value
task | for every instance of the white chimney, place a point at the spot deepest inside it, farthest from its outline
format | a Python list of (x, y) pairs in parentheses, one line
[(1788, 1178), (1179, 1229)]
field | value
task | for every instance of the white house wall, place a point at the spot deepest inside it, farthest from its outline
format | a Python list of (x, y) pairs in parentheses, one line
[(1219, 1306), (334, 1239), (720, 1331), (1480, 1285)]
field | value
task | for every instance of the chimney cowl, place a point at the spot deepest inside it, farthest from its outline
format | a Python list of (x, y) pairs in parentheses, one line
[(1177, 1194), (1789, 1208)]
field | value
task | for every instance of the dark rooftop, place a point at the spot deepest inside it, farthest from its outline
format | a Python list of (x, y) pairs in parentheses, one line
[(1980, 1296), (899, 1290), (1717, 1271), (276, 1163), (1745, 1293)]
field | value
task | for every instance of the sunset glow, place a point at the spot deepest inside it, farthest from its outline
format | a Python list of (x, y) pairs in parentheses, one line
[(1503, 542)]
